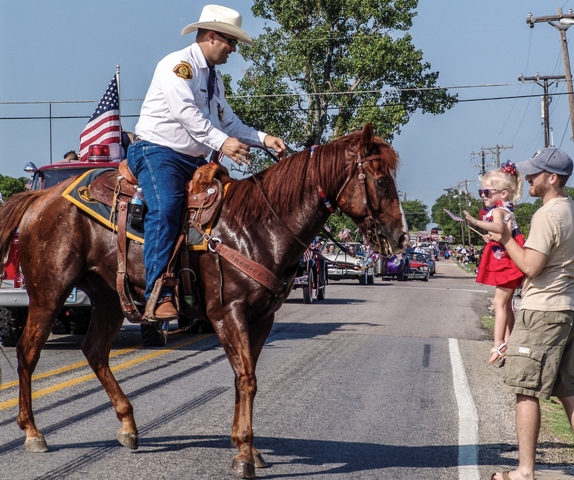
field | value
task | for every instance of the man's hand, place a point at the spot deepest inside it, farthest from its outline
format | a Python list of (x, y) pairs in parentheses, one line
[(237, 151), (505, 235), (276, 144)]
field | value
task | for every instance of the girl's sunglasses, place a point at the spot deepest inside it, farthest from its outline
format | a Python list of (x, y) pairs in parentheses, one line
[(487, 191)]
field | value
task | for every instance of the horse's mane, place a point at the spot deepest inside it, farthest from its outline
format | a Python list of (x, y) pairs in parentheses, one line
[(289, 182)]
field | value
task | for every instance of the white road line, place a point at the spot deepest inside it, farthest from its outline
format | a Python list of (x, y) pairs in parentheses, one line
[(442, 288), (467, 417)]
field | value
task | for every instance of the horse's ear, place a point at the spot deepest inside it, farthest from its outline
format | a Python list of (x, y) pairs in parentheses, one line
[(368, 136)]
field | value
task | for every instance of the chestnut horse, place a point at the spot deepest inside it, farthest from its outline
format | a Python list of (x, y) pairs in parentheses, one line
[(356, 172)]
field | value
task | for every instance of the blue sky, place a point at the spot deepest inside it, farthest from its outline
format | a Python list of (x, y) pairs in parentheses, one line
[(63, 50)]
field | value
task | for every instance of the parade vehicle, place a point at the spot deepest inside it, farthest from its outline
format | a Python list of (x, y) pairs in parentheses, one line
[(350, 263), (311, 276), (418, 268), (75, 316), (394, 266)]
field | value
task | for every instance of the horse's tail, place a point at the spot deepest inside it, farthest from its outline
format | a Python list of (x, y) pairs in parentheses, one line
[(11, 214)]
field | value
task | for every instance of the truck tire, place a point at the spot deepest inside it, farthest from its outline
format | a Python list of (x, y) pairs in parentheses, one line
[(308, 289), (153, 335), (12, 323), (182, 323), (80, 322), (206, 326), (371, 279)]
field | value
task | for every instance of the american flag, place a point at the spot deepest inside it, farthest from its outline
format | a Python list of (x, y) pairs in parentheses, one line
[(453, 216), (104, 125), (307, 255)]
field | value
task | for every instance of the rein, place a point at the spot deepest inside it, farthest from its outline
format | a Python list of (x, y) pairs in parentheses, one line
[(259, 272)]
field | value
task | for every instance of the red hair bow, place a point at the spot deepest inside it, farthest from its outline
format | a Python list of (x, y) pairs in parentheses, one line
[(509, 167)]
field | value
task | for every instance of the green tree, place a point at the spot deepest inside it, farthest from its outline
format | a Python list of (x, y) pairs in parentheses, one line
[(416, 214), (330, 67), (336, 223), (10, 185), (448, 226)]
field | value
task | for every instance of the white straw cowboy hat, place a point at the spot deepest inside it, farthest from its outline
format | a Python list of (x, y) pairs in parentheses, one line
[(220, 19)]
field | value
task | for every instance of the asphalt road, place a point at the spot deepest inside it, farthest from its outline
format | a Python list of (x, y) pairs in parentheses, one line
[(386, 381)]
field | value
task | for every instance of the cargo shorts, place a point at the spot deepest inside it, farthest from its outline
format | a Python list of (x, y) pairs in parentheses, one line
[(540, 355)]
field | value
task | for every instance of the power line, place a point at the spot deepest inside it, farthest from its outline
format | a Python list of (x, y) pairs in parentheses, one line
[(301, 94), (300, 109)]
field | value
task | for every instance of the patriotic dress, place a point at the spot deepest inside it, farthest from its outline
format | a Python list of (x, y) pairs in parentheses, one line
[(496, 267)]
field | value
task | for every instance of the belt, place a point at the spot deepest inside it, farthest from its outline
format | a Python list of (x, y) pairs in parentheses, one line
[(138, 139)]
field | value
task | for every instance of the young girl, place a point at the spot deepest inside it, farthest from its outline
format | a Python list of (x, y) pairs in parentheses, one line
[(500, 189)]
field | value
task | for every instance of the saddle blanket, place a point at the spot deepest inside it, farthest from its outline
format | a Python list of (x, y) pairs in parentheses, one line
[(79, 194)]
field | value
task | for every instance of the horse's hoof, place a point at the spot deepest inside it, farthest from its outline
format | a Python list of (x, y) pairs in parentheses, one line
[(259, 462), (129, 440), (243, 469), (36, 445)]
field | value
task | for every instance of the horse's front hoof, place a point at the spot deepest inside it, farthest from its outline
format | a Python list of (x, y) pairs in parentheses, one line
[(243, 469), (259, 461), (36, 445), (129, 440)]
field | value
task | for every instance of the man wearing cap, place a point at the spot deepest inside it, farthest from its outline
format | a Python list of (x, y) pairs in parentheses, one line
[(183, 118), (540, 355)]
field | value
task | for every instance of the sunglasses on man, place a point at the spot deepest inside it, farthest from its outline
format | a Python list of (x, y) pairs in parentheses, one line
[(231, 41)]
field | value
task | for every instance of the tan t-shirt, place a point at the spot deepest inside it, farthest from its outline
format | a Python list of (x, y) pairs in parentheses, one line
[(552, 233)]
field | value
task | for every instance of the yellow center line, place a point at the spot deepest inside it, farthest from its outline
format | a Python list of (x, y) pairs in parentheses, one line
[(84, 378), (67, 368)]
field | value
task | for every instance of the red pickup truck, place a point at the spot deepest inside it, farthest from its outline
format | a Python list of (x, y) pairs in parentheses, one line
[(76, 314)]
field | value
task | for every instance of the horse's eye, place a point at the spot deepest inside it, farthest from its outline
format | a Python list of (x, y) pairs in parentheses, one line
[(382, 183)]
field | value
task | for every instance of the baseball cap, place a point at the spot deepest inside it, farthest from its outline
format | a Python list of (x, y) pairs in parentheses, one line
[(549, 159)]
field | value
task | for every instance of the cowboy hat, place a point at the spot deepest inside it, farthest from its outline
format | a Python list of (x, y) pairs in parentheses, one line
[(220, 19)]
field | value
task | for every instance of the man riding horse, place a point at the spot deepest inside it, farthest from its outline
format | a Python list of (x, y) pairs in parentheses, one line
[(183, 118)]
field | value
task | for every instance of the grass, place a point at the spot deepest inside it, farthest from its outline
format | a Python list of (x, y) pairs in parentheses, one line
[(469, 267), (554, 419)]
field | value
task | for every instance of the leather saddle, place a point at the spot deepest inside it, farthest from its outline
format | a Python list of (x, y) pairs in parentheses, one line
[(204, 191), (204, 196)]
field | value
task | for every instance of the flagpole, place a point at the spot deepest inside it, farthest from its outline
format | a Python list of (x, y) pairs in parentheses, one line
[(119, 111)]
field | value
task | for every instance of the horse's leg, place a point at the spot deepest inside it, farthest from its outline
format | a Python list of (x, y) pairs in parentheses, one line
[(107, 319), (36, 331), (243, 347)]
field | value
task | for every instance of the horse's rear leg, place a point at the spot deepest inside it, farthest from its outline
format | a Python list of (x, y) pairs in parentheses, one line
[(107, 319), (37, 330)]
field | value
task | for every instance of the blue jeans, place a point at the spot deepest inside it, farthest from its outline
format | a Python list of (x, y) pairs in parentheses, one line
[(162, 174)]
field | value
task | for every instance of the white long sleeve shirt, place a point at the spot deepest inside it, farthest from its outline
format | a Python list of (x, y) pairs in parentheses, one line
[(176, 112)]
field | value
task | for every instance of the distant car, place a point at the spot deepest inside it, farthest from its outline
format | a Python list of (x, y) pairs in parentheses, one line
[(351, 264), (311, 276), (393, 266), (418, 268), (431, 263)]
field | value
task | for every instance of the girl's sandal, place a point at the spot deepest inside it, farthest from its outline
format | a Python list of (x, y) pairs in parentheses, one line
[(500, 355)]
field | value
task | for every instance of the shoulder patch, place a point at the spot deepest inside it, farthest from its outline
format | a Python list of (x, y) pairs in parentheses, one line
[(183, 70)]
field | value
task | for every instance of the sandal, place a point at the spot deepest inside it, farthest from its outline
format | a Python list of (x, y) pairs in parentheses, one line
[(500, 355)]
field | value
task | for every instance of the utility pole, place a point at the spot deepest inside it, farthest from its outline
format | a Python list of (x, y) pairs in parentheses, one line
[(494, 151), (466, 205), (545, 101), (561, 22)]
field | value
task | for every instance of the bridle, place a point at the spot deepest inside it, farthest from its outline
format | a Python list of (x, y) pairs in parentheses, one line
[(372, 233), (372, 230)]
